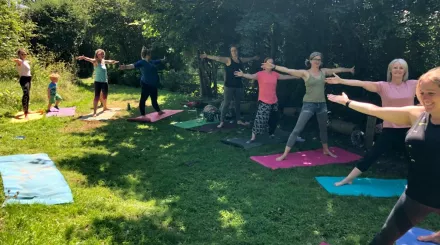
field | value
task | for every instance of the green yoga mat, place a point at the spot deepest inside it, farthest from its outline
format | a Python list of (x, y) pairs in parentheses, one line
[(192, 123)]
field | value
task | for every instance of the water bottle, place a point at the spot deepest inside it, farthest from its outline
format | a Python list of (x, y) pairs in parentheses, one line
[(128, 107)]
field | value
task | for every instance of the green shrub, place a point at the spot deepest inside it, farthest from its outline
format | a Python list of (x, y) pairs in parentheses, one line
[(180, 81)]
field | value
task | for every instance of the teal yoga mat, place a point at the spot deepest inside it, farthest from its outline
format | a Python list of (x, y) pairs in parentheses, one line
[(364, 187), (36, 178), (192, 123)]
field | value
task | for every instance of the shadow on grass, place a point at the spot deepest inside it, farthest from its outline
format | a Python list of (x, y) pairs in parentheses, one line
[(220, 196)]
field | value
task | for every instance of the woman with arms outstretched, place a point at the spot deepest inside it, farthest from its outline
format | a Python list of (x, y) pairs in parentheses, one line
[(233, 87), (149, 80), (101, 79), (397, 91), (421, 196), (267, 113), (314, 100)]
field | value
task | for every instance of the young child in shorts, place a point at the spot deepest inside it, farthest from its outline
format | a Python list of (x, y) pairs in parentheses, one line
[(53, 96)]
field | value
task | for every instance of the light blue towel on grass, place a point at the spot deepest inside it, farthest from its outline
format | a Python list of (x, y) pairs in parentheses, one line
[(36, 178), (364, 187)]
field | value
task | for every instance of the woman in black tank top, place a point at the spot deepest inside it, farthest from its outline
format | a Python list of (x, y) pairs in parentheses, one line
[(233, 87), (422, 195)]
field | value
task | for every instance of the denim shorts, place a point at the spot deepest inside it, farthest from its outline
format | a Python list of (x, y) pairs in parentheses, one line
[(314, 107)]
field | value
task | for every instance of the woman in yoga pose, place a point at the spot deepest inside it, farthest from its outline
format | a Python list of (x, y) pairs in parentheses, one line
[(101, 79), (397, 91), (314, 100), (149, 80), (233, 87), (24, 71), (421, 196), (267, 113)]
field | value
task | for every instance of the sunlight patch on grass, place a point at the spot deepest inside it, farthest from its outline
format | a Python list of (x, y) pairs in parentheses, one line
[(128, 145), (179, 137), (104, 166), (222, 199), (167, 146), (143, 126), (232, 219), (330, 209), (217, 185)]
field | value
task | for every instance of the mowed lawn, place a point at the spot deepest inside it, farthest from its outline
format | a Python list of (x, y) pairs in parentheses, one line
[(159, 184)]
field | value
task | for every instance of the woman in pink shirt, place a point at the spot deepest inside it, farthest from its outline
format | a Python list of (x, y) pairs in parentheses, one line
[(397, 91), (267, 113)]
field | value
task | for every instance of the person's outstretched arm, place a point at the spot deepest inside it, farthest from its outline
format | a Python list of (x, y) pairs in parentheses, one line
[(249, 59), (398, 115), (367, 85), (126, 67), (245, 75), (224, 60), (297, 73), (331, 71), (111, 61), (18, 61), (287, 77), (82, 57)]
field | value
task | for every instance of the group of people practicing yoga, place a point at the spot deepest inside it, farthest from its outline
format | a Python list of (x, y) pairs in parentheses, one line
[(413, 129)]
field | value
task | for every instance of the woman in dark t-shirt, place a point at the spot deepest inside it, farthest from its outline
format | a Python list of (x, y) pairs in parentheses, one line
[(233, 87)]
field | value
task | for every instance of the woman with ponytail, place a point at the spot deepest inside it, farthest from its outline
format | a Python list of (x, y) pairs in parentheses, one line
[(314, 101)]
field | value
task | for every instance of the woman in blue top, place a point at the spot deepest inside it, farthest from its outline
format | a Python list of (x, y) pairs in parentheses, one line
[(101, 80), (149, 79)]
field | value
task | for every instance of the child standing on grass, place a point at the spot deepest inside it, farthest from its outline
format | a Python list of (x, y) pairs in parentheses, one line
[(52, 94)]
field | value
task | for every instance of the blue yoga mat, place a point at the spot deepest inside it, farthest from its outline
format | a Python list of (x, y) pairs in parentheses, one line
[(410, 237), (36, 178), (364, 187)]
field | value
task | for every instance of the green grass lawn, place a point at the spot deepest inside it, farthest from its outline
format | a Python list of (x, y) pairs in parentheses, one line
[(132, 184)]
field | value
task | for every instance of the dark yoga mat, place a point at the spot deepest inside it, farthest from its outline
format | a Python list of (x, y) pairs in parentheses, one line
[(209, 128), (280, 137)]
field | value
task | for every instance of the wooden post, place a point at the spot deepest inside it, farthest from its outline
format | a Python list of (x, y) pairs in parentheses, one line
[(370, 131)]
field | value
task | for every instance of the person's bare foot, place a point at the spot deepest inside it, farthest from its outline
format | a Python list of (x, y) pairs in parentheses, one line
[(329, 153), (434, 238), (251, 140), (282, 157), (343, 182), (94, 115), (220, 125), (26, 117), (105, 109), (160, 113)]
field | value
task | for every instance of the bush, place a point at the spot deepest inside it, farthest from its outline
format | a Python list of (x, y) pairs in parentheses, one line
[(180, 81)]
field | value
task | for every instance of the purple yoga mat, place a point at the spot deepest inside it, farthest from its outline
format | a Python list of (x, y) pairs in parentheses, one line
[(62, 112), (324, 243), (307, 158)]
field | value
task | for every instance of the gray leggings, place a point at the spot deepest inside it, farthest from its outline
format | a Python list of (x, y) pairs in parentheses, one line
[(307, 111), (406, 214), (230, 94)]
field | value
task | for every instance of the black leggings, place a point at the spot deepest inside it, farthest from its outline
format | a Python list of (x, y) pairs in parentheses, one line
[(101, 86), (406, 214), (148, 90), (389, 139), (25, 83)]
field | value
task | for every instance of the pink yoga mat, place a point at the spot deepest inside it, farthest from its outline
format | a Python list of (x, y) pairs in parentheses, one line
[(307, 158), (154, 116), (324, 243), (62, 112)]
